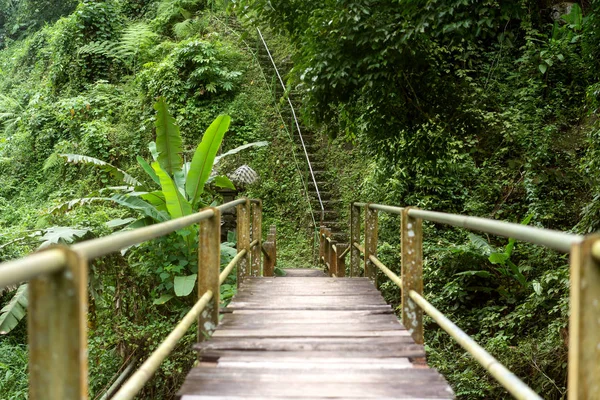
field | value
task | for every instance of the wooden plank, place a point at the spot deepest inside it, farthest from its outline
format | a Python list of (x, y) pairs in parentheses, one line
[(322, 325), (290, 279), (411, 375), (366, 361), (303, 272), (240, 397), (274, 292), (288, 317), (322, 389), (305, 333), (306, 344), (367, 365), (316, 313), (407, 351), (290, 338), (259, 306), (309, 300)]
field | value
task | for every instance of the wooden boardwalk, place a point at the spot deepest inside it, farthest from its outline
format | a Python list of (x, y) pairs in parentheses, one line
[(307, 336)]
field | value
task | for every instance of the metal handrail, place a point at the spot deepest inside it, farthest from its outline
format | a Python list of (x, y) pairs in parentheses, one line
[(578, 246), (295, 120), (561, 241), (53, 260), (149, 367), (227, 270), (73, 260), (556, 240), (507, 379)]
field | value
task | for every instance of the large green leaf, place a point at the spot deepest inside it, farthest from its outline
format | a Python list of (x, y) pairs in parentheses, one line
[(240, 148), (184, 285), (14, 311), (162, 299), (111, 169), (168, 139), (156, 198), (177, 205), (223, 182), (61, 234), (204, 157), (139, 205), (115, 223), (146, 167), (481, 244)]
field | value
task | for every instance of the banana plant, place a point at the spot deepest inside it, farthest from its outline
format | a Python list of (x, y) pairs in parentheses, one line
[(173, 188)]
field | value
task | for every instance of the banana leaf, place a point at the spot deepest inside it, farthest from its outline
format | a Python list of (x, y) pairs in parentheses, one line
[(111, 169), (168, 139), (14, 311), (177, 205), (204, 157)]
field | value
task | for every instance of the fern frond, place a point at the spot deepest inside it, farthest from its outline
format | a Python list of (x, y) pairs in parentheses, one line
[(52, 161), (134, 39), (185, 29)]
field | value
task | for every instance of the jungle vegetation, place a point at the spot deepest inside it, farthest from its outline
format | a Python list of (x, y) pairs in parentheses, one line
[(475, 107)]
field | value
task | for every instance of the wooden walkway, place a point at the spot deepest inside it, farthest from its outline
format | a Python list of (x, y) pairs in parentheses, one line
[(307, 336)]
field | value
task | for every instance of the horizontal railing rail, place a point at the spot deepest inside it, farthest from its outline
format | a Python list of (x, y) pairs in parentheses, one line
[(57, 317), (584, 323)]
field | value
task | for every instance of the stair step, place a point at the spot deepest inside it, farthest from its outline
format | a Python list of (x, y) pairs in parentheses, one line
[(334, 205), (325, 195), (336, 225), (340, 237), (320, 184)]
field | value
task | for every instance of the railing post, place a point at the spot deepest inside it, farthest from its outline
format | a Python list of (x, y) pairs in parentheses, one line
[(333, 258), (354, 238), (243, 240), (341, 260), (412, 273), (209, 262), (256, 235), (57, 332), (584, 320), (270, 252), (321, 245), (370, 242)]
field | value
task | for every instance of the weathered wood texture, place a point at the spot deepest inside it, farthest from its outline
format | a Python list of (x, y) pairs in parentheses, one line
[(307, 336)]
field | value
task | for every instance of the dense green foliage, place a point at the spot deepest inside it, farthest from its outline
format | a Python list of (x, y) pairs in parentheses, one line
[(79, 83), (474, 107)]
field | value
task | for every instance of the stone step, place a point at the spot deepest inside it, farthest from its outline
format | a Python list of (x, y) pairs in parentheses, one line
[(320, 174), (337, 225), (320, 184), (328, 204), (325, 195)]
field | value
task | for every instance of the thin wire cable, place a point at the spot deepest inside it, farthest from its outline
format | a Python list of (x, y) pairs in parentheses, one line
[(249, 48), (295, 120)]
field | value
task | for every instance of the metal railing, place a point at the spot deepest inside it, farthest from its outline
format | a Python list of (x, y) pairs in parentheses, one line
[(584, 323), (57, 311)]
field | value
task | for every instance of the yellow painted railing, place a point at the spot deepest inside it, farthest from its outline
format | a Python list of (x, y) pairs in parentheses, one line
[(57, 315), (584, 323)]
